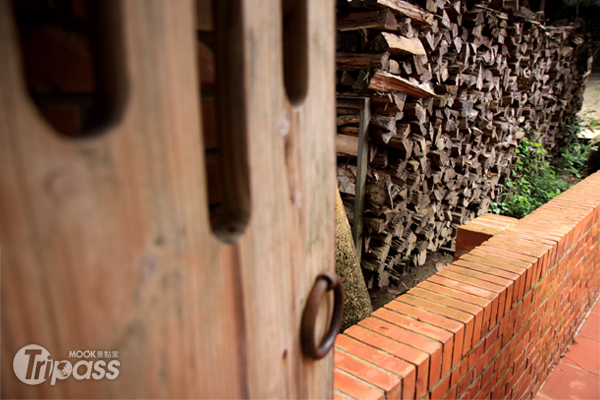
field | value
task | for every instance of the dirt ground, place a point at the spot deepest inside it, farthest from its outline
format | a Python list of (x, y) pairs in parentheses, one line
[(591, 103), (435, 262)]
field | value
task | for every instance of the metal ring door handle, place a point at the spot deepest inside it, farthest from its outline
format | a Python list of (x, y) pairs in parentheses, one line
[(324, 282)]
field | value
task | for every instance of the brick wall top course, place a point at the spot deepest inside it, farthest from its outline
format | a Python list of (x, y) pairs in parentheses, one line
[(493, 323)]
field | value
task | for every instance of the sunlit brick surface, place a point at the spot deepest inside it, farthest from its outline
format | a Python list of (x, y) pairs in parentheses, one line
[(494, 323)]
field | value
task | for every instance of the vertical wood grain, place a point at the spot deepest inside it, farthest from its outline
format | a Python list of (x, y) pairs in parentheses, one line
[(106, 242)]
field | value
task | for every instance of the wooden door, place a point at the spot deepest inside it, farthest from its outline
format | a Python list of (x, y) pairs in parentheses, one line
[(105, 240)]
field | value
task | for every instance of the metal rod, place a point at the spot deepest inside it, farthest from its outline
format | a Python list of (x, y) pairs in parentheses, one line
[(361, 175), (363, 104)]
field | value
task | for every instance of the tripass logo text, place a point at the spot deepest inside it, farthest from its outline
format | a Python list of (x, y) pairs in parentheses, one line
[(33, 365)]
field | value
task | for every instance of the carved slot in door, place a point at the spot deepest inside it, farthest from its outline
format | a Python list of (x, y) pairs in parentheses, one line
[(73, 62), (295, 49), (222, 90)]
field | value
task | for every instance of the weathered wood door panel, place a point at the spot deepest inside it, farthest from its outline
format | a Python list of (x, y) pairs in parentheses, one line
[(106, 242)]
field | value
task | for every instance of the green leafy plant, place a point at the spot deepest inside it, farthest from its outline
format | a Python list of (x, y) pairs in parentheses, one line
[(573, 161), (572, 157), (591, 122), (536, 177), (533, 181)]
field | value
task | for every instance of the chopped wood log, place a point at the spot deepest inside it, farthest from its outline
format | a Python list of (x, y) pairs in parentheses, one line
[(396, 44), (416, 13), (346, 144), (354, 61), (385, 122), (386, 82), (383, 19), (446, 118), (346, 79), (346, 178), (348, 119)]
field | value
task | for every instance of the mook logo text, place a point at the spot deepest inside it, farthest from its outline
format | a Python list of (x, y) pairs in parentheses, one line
[(33, 365)]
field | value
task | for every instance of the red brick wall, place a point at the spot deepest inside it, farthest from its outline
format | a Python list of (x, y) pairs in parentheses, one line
[(493, 324), (477, 231)]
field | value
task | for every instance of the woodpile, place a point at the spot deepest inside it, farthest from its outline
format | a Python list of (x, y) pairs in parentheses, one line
[(452, 89)]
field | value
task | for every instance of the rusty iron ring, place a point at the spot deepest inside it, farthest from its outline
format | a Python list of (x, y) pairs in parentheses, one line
[(324, 282)]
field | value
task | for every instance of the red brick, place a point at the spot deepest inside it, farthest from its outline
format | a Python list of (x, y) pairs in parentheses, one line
[(505, 260), (473, 278), (521, 247), (544, 299), (337, 395), (507, 285), (414, 325), (469, 237), (454, 302), (445, 338), (451, 395), (382, 359), (359, 349), (573, 214), (527, 300), (493, 253), (476, 354), (391, 384), (457, 328), (353, 387), (491, 337), (511, 266), (532, 276), (416, 357), (488, 373), (501, 221), (466, 286), (508, 319), (487, 359), (409, 377), (459, 371), (505, 273), (464, 383), (457, 300), (485, 391), (507, 335), (473, 389), (499, 390), (530, 236), (514, 287), (433, 348), (549, 231), (441, 389)]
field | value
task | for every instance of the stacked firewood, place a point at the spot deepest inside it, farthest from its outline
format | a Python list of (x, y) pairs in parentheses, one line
[(452, 89)]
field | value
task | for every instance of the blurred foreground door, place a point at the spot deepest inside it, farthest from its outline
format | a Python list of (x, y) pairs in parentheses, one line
[(106, 242)]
